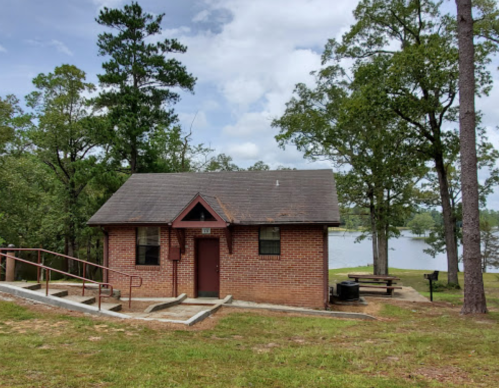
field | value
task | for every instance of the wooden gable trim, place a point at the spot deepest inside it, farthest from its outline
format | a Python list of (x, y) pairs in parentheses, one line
[(218, 223), (181, 239)]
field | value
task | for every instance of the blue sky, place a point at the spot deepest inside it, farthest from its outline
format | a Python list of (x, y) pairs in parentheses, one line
[(246, 54)]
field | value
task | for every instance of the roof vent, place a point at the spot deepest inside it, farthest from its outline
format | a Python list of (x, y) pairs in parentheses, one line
[(277, 183)]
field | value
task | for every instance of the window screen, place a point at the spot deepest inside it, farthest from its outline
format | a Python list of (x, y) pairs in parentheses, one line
[(270, 240), (147, 246)]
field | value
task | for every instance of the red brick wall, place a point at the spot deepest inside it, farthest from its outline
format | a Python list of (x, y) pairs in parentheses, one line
[(296, 277)]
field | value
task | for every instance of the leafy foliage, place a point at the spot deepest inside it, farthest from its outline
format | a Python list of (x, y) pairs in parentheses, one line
[(348, 123), (421, 223), (490, 244), (138, 83)]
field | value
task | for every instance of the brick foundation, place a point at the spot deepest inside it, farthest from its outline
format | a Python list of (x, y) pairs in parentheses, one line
[(298, 277)]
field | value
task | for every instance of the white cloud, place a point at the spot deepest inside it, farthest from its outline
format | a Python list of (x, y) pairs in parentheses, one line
[(254, 62), (172, 33), (108, 3), (2, 49), (61, 47), (197, 120), (201, 16), (243, 91), (245, 151), (249, 125), (57, 44)]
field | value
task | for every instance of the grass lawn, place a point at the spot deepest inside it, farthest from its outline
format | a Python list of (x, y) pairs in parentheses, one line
[(410, 345)]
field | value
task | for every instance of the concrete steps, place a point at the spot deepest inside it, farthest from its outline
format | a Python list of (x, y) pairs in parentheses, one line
[(16, 288), (110, 306), (31, 286), (81, 299), (53, 292)]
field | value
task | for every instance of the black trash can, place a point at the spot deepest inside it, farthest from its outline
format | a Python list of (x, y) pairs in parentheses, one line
[(348, 291)]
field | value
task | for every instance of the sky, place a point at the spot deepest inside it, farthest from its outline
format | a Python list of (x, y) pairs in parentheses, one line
[(247, 56)]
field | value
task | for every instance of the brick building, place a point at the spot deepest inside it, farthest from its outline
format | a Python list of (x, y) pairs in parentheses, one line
[(256, 235)]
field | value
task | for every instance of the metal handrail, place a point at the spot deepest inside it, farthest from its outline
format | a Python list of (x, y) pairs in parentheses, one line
[(85, 263), (47, 277)]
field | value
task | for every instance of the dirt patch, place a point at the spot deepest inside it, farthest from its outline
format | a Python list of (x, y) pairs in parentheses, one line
[(34, 325), (372, 308), (265, 348), (447, 375)]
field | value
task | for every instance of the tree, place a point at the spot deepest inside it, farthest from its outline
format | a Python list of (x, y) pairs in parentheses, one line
[(65, 138), (259, 166), (26, 184), (474, 293), (6, 130), (421, 223), (419, 45), (222, 162), (490, 244), (138, 83), (487, 162), (347, 123)]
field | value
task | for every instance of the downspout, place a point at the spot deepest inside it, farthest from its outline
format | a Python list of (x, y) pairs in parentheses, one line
[(174, 265), (105, 260), (325, 257)]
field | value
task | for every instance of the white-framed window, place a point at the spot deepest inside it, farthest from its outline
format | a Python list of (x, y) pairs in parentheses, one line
[(148, 246), (269, 241)]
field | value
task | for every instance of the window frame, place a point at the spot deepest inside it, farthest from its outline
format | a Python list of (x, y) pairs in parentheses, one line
[(137, 247), (260, 241)]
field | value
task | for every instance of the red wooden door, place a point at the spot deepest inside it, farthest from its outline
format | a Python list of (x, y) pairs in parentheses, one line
[(208, 267)]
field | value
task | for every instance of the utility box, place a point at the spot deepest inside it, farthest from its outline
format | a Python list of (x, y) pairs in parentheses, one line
[(348, 291)]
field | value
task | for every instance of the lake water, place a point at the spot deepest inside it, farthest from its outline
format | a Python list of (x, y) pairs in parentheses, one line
[(405, 253)]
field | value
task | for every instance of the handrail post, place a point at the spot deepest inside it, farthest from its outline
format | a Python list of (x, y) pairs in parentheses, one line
[(100, 294), (47, 276), (84, 275), (38, 270), (130, 294)]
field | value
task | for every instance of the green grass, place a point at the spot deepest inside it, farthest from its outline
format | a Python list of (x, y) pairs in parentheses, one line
[(415, 279), (415, 346)]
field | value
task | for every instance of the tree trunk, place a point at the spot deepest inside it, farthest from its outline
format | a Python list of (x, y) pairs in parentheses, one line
[(474, 294), (73, 265), (383, 252), (374, 239), (449, 221), (65, 263)]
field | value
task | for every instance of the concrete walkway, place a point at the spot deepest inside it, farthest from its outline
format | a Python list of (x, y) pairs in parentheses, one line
[(289, 309), (184, 310)]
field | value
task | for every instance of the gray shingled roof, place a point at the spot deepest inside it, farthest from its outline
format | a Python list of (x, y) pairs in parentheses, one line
[(242, 197)]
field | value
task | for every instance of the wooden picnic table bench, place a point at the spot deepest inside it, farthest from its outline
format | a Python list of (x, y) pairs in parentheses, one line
[(376, 281)]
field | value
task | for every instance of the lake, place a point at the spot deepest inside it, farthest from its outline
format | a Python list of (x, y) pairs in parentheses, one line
[(405, 253)]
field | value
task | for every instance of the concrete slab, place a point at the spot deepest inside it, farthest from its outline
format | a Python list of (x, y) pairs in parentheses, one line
[(180, 312), (165, 305), (202, 301), (360, 302), (288, 309), (407, 294)]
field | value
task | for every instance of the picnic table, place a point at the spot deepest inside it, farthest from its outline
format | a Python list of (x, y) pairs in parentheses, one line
[(376, 281)]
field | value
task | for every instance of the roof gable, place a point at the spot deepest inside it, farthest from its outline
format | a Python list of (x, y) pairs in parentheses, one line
[(198, 214)]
